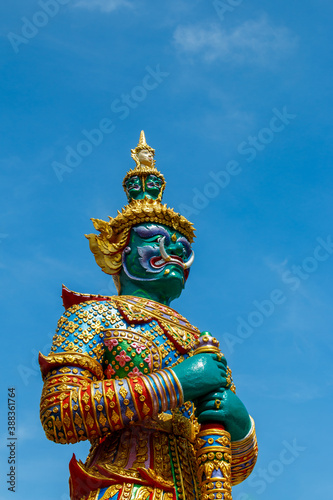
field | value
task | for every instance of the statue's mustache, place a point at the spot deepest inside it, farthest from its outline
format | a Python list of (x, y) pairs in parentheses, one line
[(153, 259), (174, 258)]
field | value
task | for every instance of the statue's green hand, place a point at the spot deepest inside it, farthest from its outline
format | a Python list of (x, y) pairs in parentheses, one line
[(200, 375), (226, 408)]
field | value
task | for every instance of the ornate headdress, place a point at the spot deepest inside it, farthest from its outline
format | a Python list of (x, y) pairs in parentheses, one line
[(107, 247), (142, 170)]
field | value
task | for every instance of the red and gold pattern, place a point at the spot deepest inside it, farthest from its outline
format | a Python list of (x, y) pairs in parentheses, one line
[(74, 409), (244, 455)]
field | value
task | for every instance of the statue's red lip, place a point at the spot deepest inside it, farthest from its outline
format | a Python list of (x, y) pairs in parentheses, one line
[(159, 262)]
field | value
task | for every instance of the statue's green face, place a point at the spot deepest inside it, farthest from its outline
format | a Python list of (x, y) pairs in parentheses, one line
[(134, 187), (151, 188), (156, 261)]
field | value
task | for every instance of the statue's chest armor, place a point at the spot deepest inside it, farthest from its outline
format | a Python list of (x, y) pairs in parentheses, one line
[(155, 337), (134, 351)]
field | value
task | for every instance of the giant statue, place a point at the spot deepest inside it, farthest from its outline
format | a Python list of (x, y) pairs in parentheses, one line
[(152, 394)]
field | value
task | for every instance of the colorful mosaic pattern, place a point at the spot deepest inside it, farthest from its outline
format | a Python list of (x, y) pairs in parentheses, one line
[(73, 408), (213, 451), (244, 455), (109, 379)]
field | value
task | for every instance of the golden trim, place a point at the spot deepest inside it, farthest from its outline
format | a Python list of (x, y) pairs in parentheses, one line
[(110, 492), (126, 491), (208, 348), (72, 416), (178, 471), (246, 448), (211, 431), (94, 409), (63, 427), (151, 391), (180, 389), (161, 390), (171, 389), (73, 358), (51, 393), (157, 312), (213, 449), (82, 413), (133, 400), (118, 406), (106, 406), (50, 376)]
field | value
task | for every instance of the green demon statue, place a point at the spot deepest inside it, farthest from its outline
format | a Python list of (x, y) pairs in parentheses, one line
[(152, 394)]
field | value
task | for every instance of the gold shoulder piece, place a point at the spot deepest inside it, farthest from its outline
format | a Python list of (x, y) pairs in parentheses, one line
[(47, 363)]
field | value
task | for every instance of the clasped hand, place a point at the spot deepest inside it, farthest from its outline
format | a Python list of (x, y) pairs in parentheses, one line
[(201, 374), (204, 381)]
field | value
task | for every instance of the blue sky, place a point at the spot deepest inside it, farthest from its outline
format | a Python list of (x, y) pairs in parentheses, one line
[(237, 102)]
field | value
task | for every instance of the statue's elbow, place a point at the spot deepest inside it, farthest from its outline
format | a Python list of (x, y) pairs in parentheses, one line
[(56, 431)]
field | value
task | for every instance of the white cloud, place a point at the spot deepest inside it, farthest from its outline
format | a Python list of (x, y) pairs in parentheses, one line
[(103, 5), (254, 41)]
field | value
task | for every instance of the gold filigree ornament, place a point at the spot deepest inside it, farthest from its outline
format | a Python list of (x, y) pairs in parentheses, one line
[(213, 455), (70, 359), (111, 492)]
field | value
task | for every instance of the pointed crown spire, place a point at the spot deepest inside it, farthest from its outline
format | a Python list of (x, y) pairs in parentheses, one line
[(143, 155), (142, 141)]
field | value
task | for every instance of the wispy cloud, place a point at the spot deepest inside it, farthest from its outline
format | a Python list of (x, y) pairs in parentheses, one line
[(254, 41), (103, 5)]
